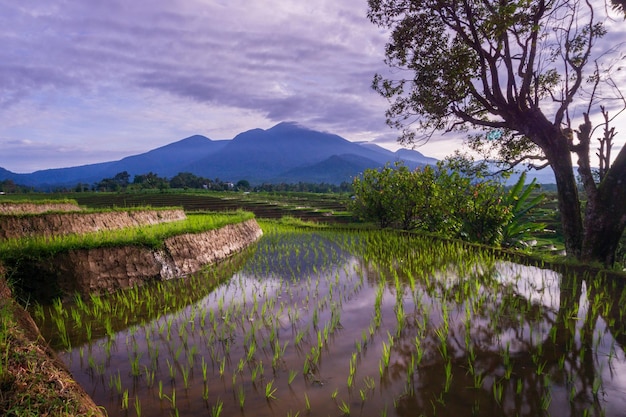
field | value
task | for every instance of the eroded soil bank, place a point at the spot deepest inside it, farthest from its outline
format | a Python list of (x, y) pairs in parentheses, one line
[(102, 270), (56, 223)]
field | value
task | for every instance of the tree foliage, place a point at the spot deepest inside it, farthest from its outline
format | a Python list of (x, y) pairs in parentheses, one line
[(436, 199), (532, 71)]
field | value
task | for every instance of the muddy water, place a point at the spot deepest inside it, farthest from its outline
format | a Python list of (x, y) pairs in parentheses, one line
[(305, 324)]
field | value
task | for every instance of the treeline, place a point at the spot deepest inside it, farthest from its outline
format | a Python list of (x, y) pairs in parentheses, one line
[(186, 180), (10, 187)]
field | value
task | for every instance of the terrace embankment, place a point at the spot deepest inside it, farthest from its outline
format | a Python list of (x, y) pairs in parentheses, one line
[(33, 378), (63, 223), (16, 208), (101, 270)]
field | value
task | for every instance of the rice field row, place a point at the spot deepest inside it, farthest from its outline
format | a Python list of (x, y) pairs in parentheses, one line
[(363, 323)]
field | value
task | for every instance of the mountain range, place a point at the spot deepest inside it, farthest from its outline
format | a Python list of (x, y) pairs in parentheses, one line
[(287, 152)]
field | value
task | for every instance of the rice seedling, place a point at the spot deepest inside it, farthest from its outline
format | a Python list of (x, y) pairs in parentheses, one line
[(498, 390), (241, 396), (344, 408), (216, 409), (137, 407), (270, 390), (124, 404), (292, 376)]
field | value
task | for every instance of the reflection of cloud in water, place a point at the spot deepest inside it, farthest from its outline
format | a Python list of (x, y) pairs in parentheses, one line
[(240, 289), (539, 286)]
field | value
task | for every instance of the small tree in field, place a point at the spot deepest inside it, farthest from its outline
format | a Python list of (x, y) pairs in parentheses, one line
[(373, 197), (533, 70), (433, 199)]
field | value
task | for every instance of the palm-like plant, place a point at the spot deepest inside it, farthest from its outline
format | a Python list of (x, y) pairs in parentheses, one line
[(520, 228)]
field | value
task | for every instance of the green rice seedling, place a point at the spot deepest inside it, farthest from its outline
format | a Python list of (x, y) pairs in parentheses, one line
[(205, 392), (344, 408), (185, 373), (88, 330), (222, 366), (363, 394), (307, 403), (546, 399), (596, 385), (216, 410), (386, 355), (135, 370), (124, 404), (292, 376), (315, 318), (116, 381), (150, 375), (479, 378), (498, 390), (448, 372), (442, 334), (241, 396), (299, 337), (137, 407), (173, 399), (270, 390), (172, 369)]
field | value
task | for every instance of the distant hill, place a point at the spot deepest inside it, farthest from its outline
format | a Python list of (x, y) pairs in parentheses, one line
[(286, 152)]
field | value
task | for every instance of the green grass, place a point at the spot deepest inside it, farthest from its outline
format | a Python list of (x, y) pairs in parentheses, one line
[(150, 236), (86, 211), (36, 199)]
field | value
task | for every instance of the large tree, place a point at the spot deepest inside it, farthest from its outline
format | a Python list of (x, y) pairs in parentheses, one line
[(520, 68)]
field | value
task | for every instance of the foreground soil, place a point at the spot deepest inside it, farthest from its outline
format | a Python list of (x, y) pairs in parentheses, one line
[(34, 382)]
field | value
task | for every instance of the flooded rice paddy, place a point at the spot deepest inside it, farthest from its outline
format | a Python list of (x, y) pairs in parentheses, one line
[(327, 323)]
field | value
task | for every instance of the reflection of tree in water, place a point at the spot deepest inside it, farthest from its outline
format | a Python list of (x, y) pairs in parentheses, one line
[(513, 357)]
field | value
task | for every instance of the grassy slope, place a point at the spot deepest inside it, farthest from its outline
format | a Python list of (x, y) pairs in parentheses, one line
[(33, 382)]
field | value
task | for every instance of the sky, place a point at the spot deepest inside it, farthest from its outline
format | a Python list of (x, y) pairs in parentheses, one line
[(93, 81)]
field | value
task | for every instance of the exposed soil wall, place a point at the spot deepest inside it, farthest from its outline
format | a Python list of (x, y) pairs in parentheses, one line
[(103, 270), (20, 208), (54, 224)]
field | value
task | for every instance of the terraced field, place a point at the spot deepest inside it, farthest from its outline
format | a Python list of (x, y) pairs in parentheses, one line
[(322, 208)]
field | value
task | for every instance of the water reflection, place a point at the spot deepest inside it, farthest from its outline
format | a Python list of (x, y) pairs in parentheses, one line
[(334, 324)]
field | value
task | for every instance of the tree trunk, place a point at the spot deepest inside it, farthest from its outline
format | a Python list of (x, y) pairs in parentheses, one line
[(569, 205), (604, 225), (605, 215), (555, 146)]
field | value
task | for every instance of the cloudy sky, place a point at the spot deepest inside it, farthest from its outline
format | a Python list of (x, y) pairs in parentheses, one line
[(91, 81)]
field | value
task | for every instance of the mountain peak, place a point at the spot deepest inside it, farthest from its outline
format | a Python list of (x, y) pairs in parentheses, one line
[(287, 126)]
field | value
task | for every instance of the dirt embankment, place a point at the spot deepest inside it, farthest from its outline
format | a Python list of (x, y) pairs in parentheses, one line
[(100, 270), (33, 378), (55, 224), (21, 208)]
